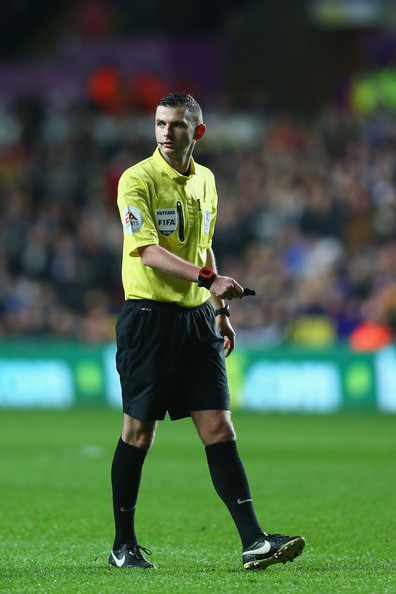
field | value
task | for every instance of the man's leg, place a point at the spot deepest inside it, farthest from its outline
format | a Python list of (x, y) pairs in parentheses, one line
[(136, 439), (229, 479), (226, 469)]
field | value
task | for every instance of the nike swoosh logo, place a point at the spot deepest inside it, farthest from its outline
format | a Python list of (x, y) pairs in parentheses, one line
[(243, 501), (118, 562), (127, 509), (264, 549)]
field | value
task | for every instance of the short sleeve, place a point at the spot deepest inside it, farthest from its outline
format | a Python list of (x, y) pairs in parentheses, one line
[(133, 203)]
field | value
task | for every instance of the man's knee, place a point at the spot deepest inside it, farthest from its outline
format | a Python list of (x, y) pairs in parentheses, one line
[(223, 431), (214, 426), (138, 433)]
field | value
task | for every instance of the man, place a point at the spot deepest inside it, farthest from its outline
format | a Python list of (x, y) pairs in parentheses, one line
[(173, 330)]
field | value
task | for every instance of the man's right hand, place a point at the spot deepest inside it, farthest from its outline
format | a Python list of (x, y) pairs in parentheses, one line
[(226, 287)]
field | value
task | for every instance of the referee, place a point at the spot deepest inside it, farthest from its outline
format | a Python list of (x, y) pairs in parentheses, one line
[(174, 333)]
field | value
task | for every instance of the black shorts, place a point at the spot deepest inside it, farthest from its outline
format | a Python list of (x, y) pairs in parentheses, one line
[(170, 358)]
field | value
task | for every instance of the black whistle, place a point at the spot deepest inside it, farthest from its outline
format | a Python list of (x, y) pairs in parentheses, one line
[(248, 292)]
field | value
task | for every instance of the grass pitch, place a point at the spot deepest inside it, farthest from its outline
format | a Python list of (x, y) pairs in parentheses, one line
[(329, 478)]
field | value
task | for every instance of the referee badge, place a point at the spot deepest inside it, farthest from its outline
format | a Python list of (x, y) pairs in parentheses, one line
[(166, 220), (132, 219)]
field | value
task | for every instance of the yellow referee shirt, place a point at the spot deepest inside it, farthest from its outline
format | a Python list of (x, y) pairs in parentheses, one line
[(160, 206)]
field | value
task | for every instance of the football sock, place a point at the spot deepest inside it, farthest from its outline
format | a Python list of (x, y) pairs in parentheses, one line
[(126, 472), (230, 481)]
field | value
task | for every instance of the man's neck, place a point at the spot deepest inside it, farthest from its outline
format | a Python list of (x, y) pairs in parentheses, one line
[(183, 166)]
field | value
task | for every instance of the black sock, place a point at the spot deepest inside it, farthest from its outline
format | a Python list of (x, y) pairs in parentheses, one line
[(126, 471), (230, 481)]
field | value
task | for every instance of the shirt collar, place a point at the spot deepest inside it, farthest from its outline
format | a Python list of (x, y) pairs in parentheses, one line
[(169, 170)]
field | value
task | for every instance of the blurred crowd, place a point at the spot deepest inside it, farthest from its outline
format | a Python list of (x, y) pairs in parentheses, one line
[(307, 218)]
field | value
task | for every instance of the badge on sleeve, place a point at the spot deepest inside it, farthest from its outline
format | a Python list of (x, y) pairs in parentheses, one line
[(132, 219)]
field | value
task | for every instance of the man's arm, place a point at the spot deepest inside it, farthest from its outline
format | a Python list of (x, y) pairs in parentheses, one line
[(155, 256), (223, 325), (215, 299)]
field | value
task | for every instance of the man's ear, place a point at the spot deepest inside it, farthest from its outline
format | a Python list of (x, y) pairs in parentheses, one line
[(200, 131)]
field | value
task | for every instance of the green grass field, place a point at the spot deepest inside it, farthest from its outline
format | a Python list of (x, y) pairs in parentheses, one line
[(330, 478)]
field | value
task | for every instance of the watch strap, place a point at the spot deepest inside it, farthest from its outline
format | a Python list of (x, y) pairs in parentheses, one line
[(206, 277), (223, 310)]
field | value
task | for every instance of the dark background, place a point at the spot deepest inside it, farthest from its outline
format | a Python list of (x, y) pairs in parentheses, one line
[(300, 101), (273, 52)]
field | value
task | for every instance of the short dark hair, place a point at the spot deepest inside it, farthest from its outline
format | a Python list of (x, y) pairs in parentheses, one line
[(180, 99)]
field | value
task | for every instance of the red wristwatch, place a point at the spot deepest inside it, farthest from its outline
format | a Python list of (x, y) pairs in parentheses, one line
[(206, 277)]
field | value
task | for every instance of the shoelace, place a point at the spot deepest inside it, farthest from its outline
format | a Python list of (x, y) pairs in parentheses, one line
[(136, 551)]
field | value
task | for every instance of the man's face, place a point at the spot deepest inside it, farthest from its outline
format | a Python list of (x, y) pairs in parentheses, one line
[(174, 131)]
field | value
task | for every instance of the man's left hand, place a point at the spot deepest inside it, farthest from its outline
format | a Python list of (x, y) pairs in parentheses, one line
[(227, 332)]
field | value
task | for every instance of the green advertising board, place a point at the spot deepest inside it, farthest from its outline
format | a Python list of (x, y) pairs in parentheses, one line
[(54, 374), (300, 380)]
